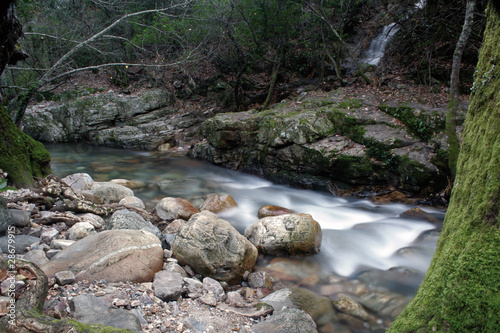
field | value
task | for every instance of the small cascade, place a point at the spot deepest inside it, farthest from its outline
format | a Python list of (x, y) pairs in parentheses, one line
[(376, 51)]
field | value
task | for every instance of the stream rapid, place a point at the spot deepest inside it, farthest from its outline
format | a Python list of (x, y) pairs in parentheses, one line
[(358, 235)]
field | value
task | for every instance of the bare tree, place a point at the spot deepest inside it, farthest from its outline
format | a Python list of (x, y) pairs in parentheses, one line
[(451, 114)]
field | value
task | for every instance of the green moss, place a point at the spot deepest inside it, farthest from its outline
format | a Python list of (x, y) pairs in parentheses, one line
[(349, 167), (461, 291), (351, 104), (21, 156)]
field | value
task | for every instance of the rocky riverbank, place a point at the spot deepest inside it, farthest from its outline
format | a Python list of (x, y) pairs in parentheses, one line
[(361, 142), (179, 268)]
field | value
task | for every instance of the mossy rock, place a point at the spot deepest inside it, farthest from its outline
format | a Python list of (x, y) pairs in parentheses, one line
[(22, 157)]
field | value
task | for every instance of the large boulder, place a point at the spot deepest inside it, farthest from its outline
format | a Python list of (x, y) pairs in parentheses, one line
[(113, 255), (217, 203), (174, 208), (126, 219), (287, 321), (290, 234), (79, 181), (214, 248), (110, 192)]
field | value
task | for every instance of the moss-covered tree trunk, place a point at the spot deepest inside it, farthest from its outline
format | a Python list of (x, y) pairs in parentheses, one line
[(20, 156), (461, 291)]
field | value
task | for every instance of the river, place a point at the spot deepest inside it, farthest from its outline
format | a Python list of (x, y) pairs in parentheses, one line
[(358, 235)]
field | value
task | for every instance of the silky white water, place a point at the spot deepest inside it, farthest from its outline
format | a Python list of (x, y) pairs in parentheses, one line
[(358, 235)]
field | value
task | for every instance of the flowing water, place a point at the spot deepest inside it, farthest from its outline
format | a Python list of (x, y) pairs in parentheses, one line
[(358, 235), (376, 50)]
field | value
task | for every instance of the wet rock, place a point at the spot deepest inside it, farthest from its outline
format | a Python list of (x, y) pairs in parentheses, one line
[(218, 203), (167, 285), (20, 244), (90, 309), (270, 210), (318, 307), (110, 192), (131, 184), (126, 219), (133, 201), (286, 321), (292, 234), (174, 208), (114, 255), (386, 304), (214, 248), (79, 181), (81, 230), (347, 305), (418, 214)]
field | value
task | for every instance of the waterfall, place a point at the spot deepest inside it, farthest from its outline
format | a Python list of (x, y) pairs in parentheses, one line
[(376, 50)]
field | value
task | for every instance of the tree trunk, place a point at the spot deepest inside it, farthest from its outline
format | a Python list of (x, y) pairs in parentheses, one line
[(451, 113), (461, 291)]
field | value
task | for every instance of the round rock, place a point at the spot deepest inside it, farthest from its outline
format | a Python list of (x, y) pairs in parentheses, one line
[(291, 234), (214, 248), (113, 255)]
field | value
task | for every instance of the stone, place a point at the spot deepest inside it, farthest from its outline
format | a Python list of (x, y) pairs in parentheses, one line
[(218, 203), (51, 253), (21, 243), (349, 306), (318, 307), (176, 268), (260, 280), (174, 208), (90, 309), (112, 255), (286, 321), (65, 277), (60, 244), (271, 210), (167, 285), (5, 303), (291, 234), (81, 230), (418, 214), (48, 233), (5, 217), (131, 184), (126, 219), (97, 221), (132, 201), (193, 287), (38, 257), (213, 286), (234, 298), (79, 181), (214, 248), (19, 218), (387, 304), (110, 192)]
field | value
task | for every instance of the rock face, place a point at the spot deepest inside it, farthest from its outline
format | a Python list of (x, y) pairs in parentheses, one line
[(114, 255), (331, 140), (291, 234), (214, 248), (106, 119)]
